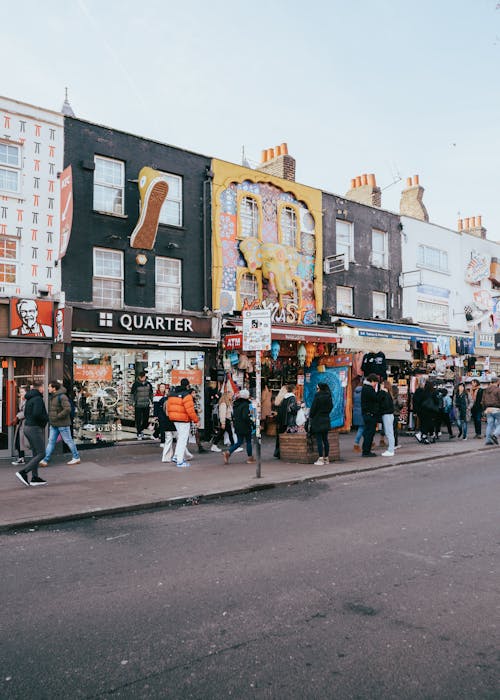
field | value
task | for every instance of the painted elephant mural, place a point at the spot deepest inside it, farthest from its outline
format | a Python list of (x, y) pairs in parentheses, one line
[(278, 262)]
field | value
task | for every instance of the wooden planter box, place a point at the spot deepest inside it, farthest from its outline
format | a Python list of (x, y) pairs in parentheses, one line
[(295, 447)]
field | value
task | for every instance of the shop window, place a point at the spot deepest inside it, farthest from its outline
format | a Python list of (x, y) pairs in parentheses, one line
[(432, 258), (379, 302), (8, 260), (248, 217), (344, 301), (380, 253), (344, 240), (288, 226), (107, 282), (109, 180), (10, 167), (171, 211), (168, 285), (430, 312), (248, 287)]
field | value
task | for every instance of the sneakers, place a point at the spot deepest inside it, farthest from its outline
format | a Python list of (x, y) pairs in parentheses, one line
[(418, 437), (387, 454), (18, 461), (239, 449), (326, 460), (75, 460), (226, 456), (396, 447), (183, 464), (153, 190), (251, 460), (43, 463), (36, 481), (174, 459), (187, 454), (23, 478), (495, 439), (319, 462), (214, 448), (369, 454)]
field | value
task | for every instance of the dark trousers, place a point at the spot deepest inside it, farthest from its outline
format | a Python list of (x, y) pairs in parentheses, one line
[(240, 441), (141, 418), (36, 440), (396, 430), (228, 428), (444, 418), (323, 444), (476, 417), (369, 432)]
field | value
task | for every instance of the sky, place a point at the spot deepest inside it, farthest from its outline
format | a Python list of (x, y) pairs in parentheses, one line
[(391, 87)]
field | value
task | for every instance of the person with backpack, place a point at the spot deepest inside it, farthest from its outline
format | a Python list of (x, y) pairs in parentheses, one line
[(59, 423), (445, 416), (243, 425), (35, 420)]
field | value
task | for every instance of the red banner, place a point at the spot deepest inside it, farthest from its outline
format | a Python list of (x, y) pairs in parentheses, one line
[(66, 182)]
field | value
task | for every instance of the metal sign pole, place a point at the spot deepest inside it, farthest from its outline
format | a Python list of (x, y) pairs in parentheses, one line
[(258, 410)]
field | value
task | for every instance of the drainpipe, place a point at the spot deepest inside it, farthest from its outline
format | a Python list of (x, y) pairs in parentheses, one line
[(206, 182)]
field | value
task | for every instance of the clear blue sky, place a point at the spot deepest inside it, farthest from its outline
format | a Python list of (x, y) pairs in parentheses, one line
[(394, 87)]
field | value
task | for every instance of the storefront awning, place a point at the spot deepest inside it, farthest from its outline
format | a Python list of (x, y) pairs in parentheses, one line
[(306, 334), (399, 331)]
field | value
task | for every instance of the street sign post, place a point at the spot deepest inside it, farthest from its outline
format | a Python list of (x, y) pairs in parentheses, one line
[(257, 336)]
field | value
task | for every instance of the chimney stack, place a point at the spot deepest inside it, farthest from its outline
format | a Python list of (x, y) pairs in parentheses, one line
[(411, 203), (472, 225), (365, 191), (277, 162)]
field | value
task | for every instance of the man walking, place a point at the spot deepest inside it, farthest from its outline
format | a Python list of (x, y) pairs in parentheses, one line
[(370, 411), (35, 420), (59, 423), (477, 407), (491, 405), (142, 393), (180, 410)]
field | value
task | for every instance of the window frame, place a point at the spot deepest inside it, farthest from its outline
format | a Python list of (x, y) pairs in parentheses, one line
[(351, 291), (164, 285), (242, 195), (427, 303), (282, 206), (11, 168), (422, 248), (384, 253), (240, 273), (170, 198), (109, 186), (386, 300), (350, 245), (107, 277), (8, 265)]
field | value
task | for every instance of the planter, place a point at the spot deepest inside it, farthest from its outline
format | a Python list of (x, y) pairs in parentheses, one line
[(296, 447)]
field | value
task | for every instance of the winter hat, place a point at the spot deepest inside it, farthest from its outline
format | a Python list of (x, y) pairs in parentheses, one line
[(244, 394)]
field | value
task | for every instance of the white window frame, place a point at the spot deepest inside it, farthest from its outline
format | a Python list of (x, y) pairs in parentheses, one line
[(108, 185), (107, 277), (249, 217), (162, 284), (424, 258), (380, 258), (10, 168), (171, 211), (379, 310), (8, 262), (289, 226), (248, 295), (347, 248), (344, 307), (427, 312)]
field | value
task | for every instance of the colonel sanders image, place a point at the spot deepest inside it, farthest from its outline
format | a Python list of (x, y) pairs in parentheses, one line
[(27, 310)]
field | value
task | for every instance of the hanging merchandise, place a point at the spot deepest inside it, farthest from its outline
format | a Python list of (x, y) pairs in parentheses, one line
[(310, 353), (233, 357), (301, 354), (275, 349)]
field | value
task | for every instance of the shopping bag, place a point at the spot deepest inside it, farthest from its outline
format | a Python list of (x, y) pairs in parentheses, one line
[(192, 434)]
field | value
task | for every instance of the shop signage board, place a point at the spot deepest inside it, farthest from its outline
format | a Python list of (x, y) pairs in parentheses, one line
[(257, 330), (233, 342), (130, 323), (31, 318)]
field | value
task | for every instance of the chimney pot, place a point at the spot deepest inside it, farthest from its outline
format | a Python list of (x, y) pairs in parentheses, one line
[(284, 149), (263, 157), (358, 180), (353, 183), (364, 179), (270, 152), (467, 223), (408, 181), (277, 151), (460, 225), (416, 180), (479, 220), (371, 180)]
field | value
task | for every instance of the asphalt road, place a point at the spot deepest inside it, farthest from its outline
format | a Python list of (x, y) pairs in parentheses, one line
[(377, 585)]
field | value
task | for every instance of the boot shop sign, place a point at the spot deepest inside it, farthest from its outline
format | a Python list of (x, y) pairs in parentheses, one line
[(132, 323)]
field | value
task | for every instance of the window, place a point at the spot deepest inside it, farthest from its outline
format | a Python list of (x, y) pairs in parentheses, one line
[(344, 242), (249, 217), (109, 179), (432, 258), (431, 312), (249, 288), (380, 256), (344, 301), (8, 258), (379, 300), (171, 211), (288, 225), (168, 285), (107, 282), (10, 167)]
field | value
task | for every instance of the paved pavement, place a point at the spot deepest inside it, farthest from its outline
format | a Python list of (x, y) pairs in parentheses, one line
[(131, 476)]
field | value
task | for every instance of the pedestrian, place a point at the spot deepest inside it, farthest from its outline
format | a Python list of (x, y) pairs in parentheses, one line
[(159, 400), (19, 439), (357, 418), (476, 407), (370, 411), (418, 397), (429, 410), (461, 404), (180, 410), (386, 410), (319, 421), (286, 414), (142, 395), (243, 425), (169, 432), (491, 405), (59, 423), (35, 420), (225, 407), (398, 405), (445, 415)]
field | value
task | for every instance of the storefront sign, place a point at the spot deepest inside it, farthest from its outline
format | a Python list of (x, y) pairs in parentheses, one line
[(130, 323), (289, 313), (194, 376), (256, 330), (485, 340), (92, 373), (477, 269), (30, 318), (233, 342)]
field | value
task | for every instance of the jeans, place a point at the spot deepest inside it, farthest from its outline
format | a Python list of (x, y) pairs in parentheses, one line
[(323, 444), (36, 440), (65, 432), (492, 425), (368, 432), (462, 427), (388, 423), (359, 435), (241, 439), (141, 418)]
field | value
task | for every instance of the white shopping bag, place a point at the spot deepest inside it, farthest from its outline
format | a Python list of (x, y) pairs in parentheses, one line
[(192, 434)]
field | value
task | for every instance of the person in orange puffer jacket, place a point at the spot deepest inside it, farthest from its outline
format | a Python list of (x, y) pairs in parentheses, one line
[(180, 410)]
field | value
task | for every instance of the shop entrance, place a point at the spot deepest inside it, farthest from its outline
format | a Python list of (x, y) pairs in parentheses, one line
[(15, 373)]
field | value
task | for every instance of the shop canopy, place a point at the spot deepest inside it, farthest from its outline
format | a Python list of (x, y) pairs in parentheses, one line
[(399, 331), (313, 334)]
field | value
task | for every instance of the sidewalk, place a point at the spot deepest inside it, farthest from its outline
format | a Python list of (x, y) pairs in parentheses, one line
[(131, 477)]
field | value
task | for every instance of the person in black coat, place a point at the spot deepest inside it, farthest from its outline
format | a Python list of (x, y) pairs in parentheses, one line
[(370, 411), (35, 420), (429, 411), (319, 421), (243, 425)]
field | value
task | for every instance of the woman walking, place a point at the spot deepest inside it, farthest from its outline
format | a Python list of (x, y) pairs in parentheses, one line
[(387, 412), (243, 425), (461, 404), (159, 400), (429, 409), (225, 412), (319, 421), (19, 439), (357, 418)]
